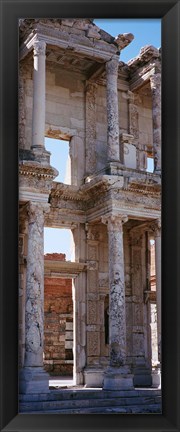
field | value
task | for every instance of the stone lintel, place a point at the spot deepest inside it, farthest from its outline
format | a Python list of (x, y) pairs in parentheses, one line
[(55, 268)]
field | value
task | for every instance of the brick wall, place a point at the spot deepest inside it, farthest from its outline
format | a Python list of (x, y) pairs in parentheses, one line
[(58, 323)]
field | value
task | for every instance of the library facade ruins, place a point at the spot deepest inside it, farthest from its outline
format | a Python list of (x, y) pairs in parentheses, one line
[(74, 87)]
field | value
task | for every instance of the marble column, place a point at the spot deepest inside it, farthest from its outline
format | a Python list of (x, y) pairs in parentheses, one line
[(157, 233), (117, 375), (39, 75), (155, 84), (91, 89), (33, 378), (156, 228), (113, 149)]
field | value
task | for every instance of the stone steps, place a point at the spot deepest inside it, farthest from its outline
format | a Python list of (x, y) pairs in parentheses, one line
[(92, 401), (132, 409)]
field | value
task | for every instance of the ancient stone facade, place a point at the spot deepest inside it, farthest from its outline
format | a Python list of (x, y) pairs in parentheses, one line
[(73, 87)]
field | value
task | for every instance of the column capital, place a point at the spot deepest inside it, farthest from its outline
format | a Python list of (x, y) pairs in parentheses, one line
[(39, 48), (114, 222), (112, 66), (155, 80), (156, 227), (36, 210)]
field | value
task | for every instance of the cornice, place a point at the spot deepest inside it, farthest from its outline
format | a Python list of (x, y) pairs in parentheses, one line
[(33, 169), (89, 40)]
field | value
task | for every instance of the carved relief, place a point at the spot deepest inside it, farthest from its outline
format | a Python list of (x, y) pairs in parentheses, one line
[(92, 312), (138, 344), (93, 344), (133, 120), (92, 280), (138, 314), (92, 252)]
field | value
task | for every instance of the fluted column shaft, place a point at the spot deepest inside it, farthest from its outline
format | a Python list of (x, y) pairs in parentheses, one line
[(34, 306), (38, 122), (155, 83), (113, 151)]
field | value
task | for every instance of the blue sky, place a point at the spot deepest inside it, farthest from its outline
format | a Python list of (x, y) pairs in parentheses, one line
[(146, 32)]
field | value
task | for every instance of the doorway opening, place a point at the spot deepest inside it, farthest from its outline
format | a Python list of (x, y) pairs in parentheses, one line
[(60, 158), (58, 307)]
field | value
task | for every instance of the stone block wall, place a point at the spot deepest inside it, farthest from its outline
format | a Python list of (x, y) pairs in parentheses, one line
[(58, 324)]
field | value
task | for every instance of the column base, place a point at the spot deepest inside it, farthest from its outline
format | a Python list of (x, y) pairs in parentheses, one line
[(156, 377), (33, 380), (41, 154), (118, 379), (142, 374), (93, 377)]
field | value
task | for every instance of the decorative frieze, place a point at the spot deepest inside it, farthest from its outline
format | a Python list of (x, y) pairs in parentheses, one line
[(93, 343)]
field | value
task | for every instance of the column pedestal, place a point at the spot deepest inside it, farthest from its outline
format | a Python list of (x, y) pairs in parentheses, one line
[(33, 380), (118, 379)]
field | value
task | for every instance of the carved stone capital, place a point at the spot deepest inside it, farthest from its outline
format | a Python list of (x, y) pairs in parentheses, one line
[(39, 48), (36, 211), (156, 227), (112, 66), (155, 81), (114, 223)]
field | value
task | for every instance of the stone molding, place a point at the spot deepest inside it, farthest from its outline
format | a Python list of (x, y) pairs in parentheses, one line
[(34, 170)]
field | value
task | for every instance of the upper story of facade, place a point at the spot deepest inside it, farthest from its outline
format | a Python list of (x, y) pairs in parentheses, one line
[(74, 87)]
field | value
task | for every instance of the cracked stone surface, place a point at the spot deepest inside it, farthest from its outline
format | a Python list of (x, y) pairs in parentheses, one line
[(34, 311)]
